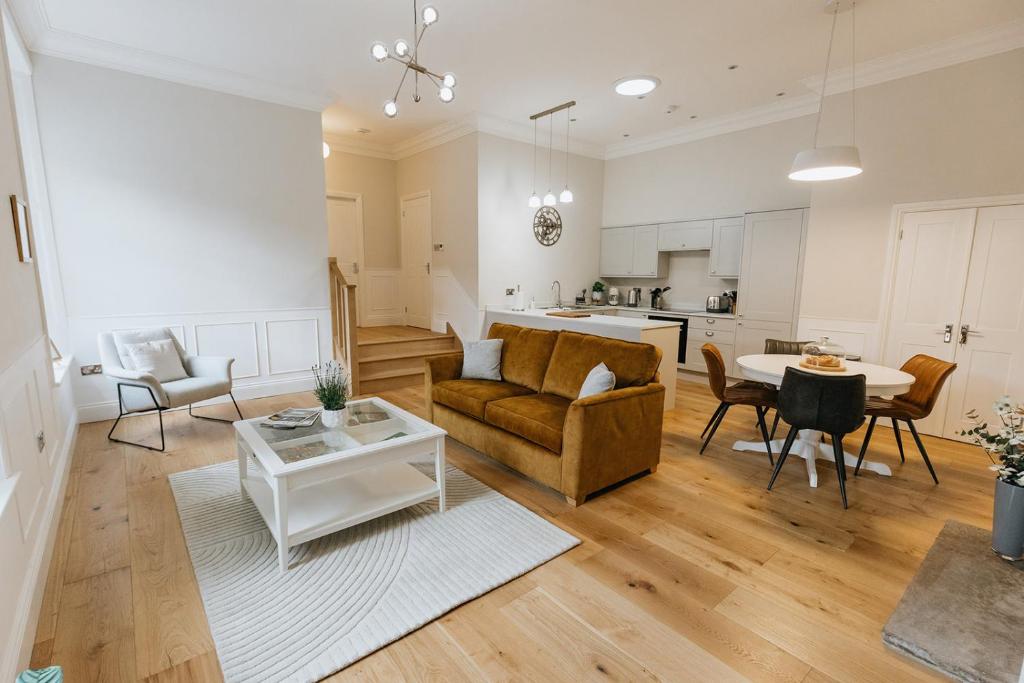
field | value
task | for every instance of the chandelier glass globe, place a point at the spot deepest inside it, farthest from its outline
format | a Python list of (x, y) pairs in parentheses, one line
[(390, 109), (379, 51), (401, 48), (446, 94), (429, 15), (448, 79)]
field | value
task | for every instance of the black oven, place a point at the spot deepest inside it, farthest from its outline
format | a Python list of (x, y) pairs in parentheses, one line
[(683, 324)]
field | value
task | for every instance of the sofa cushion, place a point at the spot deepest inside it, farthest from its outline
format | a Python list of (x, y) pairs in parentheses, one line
[(524, 354), (470, 396), (538, 418), (634, 363)]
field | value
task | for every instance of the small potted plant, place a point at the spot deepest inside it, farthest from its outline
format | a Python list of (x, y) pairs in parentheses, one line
[(1004, 444), (331, 389), (598, 293)]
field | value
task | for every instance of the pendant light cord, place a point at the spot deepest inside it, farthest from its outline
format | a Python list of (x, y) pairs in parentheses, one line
[(535, 156), (551, 137), (824, 80), (853, 73), (568, 113)]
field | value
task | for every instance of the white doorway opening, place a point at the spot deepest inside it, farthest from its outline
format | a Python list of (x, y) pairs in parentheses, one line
[(416, 284), (345, 237)]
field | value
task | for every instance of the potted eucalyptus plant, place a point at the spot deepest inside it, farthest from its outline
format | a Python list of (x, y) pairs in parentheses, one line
[(598, 292), (1004, 444), (332, 390)]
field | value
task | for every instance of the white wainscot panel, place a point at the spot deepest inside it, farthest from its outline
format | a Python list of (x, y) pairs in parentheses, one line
[(234, 339), (292, 345), (860, 337), (382, 298), (20, 427)]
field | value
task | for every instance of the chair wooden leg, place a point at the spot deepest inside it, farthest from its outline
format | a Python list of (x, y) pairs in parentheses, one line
[(899, 438), (775, 423), (714, 417), (790, 438), (837, 450), (864, 446), (714, 428), (924, 453), (764, 432)]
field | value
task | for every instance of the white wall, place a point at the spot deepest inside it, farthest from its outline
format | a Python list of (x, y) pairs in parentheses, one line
[(377, 181), (179, 206), (510, 255)]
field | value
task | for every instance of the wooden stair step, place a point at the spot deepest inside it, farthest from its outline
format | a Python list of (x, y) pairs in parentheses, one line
[(412, 345), (386, 380), (407, 354)]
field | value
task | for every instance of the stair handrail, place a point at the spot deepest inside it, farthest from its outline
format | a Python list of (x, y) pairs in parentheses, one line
[(343, 321)]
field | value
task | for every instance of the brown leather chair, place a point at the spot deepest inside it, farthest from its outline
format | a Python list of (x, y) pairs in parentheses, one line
[(755, 394), (782, 347), (930, 374)]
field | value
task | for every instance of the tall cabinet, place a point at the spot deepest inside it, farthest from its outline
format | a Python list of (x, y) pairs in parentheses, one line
[(770, 278)]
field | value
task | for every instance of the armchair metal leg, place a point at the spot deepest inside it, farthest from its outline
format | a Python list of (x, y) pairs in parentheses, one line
[(218, 419), (121, 413)]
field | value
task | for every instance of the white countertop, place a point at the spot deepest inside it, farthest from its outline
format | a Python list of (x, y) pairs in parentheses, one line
[(596, 320), (688, 312)]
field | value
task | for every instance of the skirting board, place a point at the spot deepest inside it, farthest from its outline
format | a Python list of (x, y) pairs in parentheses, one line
[(107, 410), (26, 619)]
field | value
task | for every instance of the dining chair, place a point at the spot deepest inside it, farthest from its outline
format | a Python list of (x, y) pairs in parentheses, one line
[(756, 394), (930, 375), (831, 405), (783, 347)]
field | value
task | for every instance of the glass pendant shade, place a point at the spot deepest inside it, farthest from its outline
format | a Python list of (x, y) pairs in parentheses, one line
[(534, 202), (549, 199), (390, 109), (379, 51), (401, 47), (429, 15), (566, 196), (448, 79), (826, 163), (446, 94)]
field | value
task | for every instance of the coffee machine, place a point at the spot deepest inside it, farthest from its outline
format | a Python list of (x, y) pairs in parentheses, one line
[(613, 296), (633, 297)]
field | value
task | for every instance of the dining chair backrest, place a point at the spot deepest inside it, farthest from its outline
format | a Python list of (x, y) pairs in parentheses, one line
[(930, 374), (716, 370), (782, 346), (834, 405)]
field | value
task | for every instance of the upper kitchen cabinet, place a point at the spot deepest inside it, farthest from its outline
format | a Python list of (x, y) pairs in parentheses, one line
[(726, 247), (631, 252), (773, 244), (685, 236)]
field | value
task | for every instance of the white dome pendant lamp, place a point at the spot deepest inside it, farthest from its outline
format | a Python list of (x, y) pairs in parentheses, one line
[(838, 161)]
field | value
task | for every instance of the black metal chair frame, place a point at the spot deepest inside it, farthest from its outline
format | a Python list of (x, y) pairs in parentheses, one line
[(899, 445), (160, 415)]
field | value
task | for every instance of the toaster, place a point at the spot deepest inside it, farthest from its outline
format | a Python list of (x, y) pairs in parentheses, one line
[(717, 304)]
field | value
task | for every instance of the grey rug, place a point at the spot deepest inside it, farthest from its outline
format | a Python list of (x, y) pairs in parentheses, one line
[(352, 592), (963, 613)]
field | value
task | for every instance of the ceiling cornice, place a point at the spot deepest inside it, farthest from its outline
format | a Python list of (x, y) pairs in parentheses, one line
[(434, 137), (350, 145)]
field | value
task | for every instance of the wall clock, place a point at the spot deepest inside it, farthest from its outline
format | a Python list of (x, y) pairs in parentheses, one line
[(547, 225)]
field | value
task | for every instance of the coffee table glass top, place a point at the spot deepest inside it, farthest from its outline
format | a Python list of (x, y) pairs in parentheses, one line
[(368, 422)]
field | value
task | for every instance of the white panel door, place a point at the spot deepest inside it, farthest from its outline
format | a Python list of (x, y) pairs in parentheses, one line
[(726, 247), (928, 292), (770, 270), (617, 251), (417, 292), (990, 339), (646, 257), (344, 234)]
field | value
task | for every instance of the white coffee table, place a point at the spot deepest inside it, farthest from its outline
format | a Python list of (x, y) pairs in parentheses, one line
[(310, 482)]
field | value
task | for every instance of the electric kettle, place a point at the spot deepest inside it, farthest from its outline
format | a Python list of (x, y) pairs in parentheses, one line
[(633, 297)]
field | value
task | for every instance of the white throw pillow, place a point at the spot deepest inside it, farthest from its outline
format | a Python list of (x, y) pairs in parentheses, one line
[(482, 359), (123, 338), (599, 380), (158, 358)]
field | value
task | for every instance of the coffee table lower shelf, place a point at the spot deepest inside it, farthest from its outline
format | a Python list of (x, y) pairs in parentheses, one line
[(336, 504)]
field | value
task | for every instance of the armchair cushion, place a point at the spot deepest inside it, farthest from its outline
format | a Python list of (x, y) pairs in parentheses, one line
[(471, 396), (158, 358), (538, 418)]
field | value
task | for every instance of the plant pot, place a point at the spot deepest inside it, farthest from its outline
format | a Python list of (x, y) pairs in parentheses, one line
[(598, 297), (333, 419), (1008, 521)]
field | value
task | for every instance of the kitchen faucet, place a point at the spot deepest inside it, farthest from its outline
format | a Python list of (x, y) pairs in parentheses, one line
[(558, 294)]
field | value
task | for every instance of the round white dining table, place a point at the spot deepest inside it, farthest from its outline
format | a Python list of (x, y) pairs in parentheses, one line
[(769, 368)]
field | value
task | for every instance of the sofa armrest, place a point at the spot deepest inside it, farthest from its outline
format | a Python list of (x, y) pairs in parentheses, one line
[(439, 369), (215, 367), (611, 436)]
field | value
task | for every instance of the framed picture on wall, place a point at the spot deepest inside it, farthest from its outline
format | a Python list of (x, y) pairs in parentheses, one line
[(21, 229)]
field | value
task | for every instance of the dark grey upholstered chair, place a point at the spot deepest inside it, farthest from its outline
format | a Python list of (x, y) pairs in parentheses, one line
[(833, 405), (786, 347)]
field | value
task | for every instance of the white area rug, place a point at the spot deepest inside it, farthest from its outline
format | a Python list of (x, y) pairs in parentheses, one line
[(352, 592)]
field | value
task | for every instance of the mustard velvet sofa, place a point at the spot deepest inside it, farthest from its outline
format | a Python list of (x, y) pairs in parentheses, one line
[(533, 421)]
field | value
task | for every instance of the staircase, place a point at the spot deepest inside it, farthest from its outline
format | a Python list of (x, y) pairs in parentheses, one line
[(397, 362)]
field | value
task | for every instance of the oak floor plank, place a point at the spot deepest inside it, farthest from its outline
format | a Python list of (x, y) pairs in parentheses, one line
[(199, 669), (429, 654), (99, 539)]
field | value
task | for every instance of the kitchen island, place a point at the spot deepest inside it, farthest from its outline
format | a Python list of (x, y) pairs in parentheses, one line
[(661, 333)]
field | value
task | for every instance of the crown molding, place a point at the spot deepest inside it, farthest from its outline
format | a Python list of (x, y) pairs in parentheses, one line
[(985, 42), (43, 38), (523, 132), (434, 137), (351, 145)]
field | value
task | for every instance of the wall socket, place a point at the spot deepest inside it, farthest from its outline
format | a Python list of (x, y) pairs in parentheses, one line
[(92, 369), (438, 246)]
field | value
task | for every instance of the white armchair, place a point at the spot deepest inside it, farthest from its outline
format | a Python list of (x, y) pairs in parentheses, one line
[(140, 392)]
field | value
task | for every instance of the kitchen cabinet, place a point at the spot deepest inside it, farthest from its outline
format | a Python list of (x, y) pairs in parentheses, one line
[(750, 335), (726, 247), (685, 236), (770, 269), (631, 252)]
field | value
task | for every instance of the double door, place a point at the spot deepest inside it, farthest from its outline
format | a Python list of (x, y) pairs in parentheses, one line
[(958, 295)]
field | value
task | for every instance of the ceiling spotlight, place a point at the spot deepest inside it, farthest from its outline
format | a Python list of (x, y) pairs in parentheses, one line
[(390, 109), (446, 94), (401, 48), (429, 15), (379, 51), (327, 150), (636, 86), (448, 79)]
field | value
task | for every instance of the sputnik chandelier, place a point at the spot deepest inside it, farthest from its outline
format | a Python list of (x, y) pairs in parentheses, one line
[(408, 55)]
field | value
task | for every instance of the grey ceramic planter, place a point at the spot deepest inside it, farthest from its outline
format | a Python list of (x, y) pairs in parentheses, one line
[(1008, 521)]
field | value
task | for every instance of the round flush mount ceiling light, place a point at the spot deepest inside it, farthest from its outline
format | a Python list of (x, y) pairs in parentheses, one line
[(636, 86), (327, 150)]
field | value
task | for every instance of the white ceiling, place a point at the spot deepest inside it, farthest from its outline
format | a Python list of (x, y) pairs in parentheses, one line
[(512, 57)]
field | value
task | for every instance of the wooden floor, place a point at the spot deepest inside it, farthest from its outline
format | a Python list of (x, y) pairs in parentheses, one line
[(386, 332), (693, 573)]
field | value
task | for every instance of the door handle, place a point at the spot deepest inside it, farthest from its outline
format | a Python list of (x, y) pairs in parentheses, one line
[(428, 269), (965, 331), (947, 335)]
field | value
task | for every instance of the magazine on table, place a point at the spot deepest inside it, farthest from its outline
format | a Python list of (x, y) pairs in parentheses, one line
[(366, 413), (292, 418)]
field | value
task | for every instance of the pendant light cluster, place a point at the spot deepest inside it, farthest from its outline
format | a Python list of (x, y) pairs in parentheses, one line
[(565, 197), (840, 161), (407, 54)]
